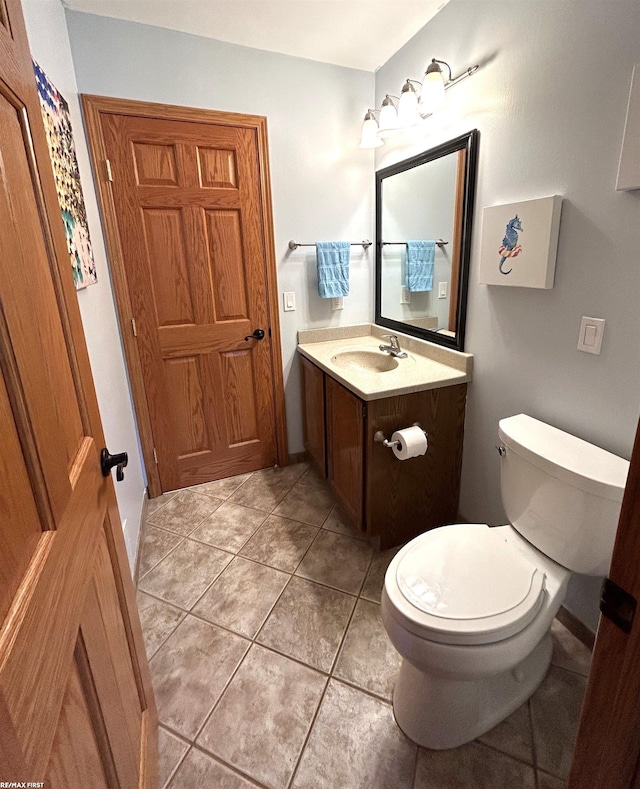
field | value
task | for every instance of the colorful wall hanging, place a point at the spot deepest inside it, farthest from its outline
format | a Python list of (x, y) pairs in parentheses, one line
[(519, 243), (57, 123)]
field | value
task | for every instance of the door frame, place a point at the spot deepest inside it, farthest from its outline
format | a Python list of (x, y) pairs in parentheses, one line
[(607, 749), (94, 108)]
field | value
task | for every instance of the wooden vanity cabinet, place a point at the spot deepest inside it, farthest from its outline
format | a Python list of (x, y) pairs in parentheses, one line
[(345, 426), (389, 500), (313, 414)]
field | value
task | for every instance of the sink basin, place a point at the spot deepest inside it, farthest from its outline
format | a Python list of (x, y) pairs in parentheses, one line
[(365, 361)]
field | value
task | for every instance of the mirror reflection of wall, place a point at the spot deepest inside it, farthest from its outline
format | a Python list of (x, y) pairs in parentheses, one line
[(419, 204), (425, 199)]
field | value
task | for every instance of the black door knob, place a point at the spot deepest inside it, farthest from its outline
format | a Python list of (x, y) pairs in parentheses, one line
[(108, 461), (258, 334)]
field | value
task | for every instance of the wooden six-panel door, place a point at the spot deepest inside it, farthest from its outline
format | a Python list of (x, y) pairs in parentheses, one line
[(188, 210), (76, 706)]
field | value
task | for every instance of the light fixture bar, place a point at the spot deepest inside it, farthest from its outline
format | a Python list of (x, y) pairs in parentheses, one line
[(471, 70)]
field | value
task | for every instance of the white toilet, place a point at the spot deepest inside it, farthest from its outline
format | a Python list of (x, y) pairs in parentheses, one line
[(470, 607)]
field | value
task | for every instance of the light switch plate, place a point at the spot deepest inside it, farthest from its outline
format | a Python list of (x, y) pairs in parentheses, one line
[(405, 298), (442, 290), (337, 303), (289, 298), (591, 332)]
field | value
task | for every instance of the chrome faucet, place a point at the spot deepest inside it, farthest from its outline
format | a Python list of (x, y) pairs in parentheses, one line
[(394, 347)]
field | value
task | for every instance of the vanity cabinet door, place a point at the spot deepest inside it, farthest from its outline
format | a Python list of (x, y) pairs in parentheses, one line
[(313, 414), (407, 497), (345, 448)]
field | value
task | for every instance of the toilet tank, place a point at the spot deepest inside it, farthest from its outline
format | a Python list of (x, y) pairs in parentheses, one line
[(561, 493)]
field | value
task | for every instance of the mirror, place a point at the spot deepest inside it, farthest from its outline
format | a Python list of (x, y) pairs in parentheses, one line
[(428, 198)]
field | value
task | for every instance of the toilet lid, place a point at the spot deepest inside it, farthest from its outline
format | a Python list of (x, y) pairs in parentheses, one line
[(469, 584)]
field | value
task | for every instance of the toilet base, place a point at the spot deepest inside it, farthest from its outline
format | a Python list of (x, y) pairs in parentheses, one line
[(440, 713)]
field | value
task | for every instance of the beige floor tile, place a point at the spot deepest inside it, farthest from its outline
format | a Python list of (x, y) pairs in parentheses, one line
[(242, 596), (307, 504), (158, 621), (338, 522), (185, 511), (312, 477), (288, 475), (171, 749), (355, 744), (374, 581), (155, 544), (221, 488), (280, 543), (184, 575), (153, 505), (308, 623), (199, 771), (555, 710), (471, 766), (546, 781), (513, 735), (229, 527), (262, 719), (367, 658), (190, 671), (338, 561), (267, 487), (568, 651)]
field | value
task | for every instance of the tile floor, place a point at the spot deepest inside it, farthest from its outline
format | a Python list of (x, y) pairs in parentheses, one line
[(261, 615)]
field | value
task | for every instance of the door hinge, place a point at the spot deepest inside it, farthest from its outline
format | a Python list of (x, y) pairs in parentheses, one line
[(108, 166), (617, 605), (364, 410), (155, 456), (134, 328)]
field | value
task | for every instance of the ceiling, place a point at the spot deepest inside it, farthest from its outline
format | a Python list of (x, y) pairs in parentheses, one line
[(360, 34)]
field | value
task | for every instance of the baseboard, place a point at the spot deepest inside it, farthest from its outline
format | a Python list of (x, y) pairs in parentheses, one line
[(143, 518), (576, 627), (298, 457)]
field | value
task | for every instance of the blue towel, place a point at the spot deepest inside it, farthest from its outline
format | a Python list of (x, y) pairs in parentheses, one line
[(418, 271), (333, 268)]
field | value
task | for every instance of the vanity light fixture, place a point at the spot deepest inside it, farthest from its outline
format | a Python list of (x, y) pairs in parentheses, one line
[(414, 104), (432, 96), (389, 123), (370, 137), (408, 105)]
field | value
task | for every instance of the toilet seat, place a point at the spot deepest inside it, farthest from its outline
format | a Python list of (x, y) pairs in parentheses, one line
[(466, 584)]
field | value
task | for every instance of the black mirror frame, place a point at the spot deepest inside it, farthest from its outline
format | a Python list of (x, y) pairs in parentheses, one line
[(468, 142)]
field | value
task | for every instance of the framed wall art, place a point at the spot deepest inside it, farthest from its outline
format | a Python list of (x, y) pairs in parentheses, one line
[(519, 243), (629, 166), (57, 123)]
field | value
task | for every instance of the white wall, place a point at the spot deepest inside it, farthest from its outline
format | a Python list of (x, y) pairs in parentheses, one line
[(49, 43), (418, 204), (550, 101), (322, 183)]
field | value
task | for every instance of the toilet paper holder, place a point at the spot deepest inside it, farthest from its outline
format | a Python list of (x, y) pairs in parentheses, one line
[(379, 436)]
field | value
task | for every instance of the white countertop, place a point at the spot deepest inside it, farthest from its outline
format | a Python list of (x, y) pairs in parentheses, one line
[(428, 366)]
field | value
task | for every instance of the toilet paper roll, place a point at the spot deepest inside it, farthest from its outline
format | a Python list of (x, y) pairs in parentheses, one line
[(411, 442)]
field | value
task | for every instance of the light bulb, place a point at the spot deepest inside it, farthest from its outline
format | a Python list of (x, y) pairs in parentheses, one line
[(370, 137), (389, 124), (408, 106), (432, 96)]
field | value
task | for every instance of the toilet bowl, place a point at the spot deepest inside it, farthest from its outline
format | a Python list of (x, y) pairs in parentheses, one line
[(469, 607)]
